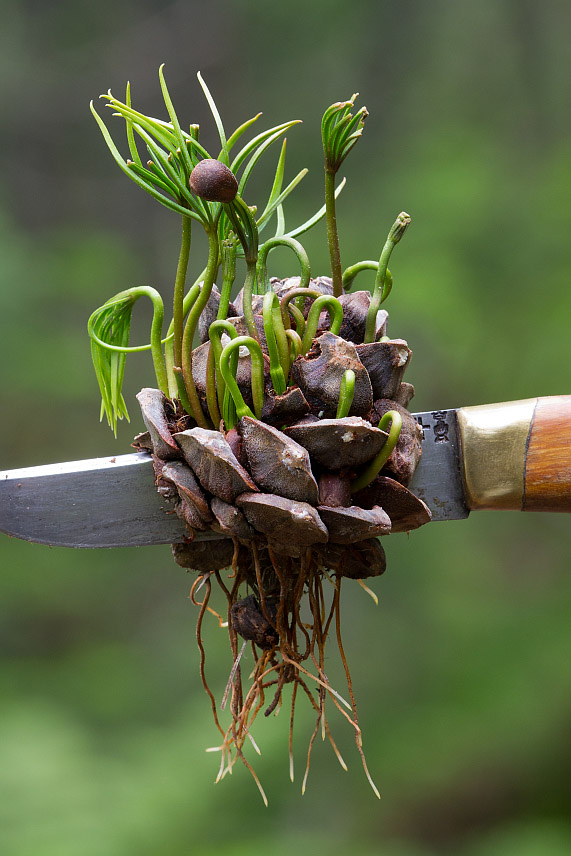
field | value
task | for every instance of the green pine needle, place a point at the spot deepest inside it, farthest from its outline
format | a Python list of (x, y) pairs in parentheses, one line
[(111, 323), (340, 130)]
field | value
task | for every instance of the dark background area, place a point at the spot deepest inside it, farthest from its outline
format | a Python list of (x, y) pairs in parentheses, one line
[(462, 671)]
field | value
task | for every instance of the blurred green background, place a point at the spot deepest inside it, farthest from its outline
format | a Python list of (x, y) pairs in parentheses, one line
[(462, 671)]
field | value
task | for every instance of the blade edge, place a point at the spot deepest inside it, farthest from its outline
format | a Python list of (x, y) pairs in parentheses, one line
[(85, 505)]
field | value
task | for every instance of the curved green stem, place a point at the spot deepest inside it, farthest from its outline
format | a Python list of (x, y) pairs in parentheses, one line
[(335, 313), (351, 272), (170, 364), (228, 406), (298, 249), (278, 348), (257, 376), (332, 234), (128, 349), (130, 296), (181, 389), (346, 394), (215, 331), (211, 399), (297, 316), (397, 231), (376, 465), (191, 324), (179, 283), (247, 299), (174, 380), (387, 286), (295, 342), (298, 294), (172, 368), (228, 276), (189, 299), (245, 227)]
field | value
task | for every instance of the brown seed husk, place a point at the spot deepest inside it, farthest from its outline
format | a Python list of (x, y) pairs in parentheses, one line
[(235, 442), (355, 307), (142, 442), (165, 488), (187, 511), (214, 181), (405, 394), (182, 477), (241, 327), (250, 622)]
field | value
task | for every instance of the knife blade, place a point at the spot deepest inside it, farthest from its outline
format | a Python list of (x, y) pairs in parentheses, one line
[(515, 455)]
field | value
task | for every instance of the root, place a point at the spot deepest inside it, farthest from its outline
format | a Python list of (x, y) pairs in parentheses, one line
[(233, 671), (293, 698), (203, 607), (358, 739), (297, 654)]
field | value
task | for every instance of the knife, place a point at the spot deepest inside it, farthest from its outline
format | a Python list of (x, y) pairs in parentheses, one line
[(515, 455)]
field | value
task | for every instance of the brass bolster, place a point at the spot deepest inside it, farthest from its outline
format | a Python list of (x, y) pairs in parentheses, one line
[(494, 441)]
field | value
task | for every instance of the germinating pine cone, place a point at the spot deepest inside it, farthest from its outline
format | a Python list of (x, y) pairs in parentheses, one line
[(283, 482)]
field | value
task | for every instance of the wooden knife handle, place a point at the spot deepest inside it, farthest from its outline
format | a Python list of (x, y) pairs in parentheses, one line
[(547, 477), (517, 455)]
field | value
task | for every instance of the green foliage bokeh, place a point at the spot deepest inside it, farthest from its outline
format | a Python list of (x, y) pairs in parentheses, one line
[(462, 671)]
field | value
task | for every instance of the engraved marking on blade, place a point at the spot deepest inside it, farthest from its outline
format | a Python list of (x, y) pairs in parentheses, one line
[(437, 480), (441, 427)]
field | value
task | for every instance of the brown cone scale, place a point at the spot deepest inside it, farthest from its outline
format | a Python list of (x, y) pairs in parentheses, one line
[(215, 465), (278, 464), (284, 482), (408, 450), (347, 525), (338, 443), (405, 509), (320, 372), (291, 526), (153, 404)]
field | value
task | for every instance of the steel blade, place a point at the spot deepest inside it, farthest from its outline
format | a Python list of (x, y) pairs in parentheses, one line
[(112, 502), (438, 477), (100, 502)]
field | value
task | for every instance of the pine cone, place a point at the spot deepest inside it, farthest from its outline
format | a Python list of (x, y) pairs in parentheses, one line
[(290, 489), (280, 498)]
